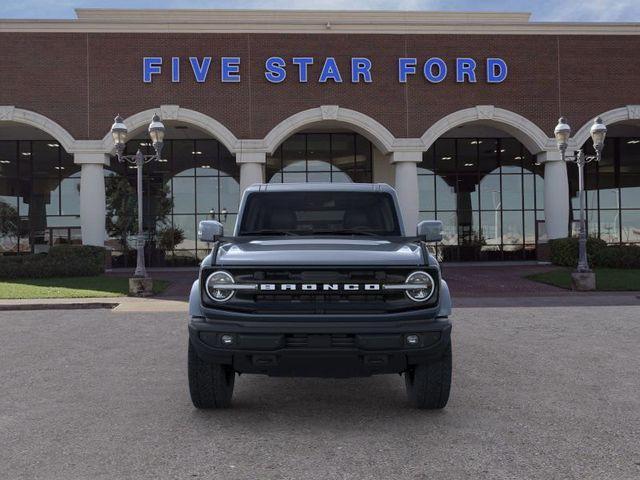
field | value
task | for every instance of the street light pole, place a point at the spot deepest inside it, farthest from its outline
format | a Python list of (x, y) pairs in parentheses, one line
[(156, 132), (583, 261), (562, 133), (141, 271)]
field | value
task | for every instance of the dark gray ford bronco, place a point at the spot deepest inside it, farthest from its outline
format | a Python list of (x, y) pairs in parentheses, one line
[(319, 280)]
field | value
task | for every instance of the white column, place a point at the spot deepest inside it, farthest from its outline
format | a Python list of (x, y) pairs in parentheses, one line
[(383, 170), (556, 194), (406, 184), (251, 168), (92, 197)]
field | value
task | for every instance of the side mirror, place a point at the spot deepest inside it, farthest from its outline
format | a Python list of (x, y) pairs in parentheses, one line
[(210, 231), (430, 230)]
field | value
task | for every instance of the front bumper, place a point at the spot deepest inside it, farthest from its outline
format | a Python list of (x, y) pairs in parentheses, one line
[(319, 349)]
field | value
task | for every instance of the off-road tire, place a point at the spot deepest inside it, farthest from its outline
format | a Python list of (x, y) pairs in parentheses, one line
[(210, 384), (428, 384)]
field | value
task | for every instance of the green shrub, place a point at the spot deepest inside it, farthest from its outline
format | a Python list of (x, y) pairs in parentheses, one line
[(61, 261), (618, 256), (169, 237), (564, 251)]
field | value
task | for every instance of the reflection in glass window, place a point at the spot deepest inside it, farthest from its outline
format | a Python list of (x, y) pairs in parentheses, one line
[(630, 224), (319, 152), (612, 191), (39, 195), (321, 157), (183, 197), (206, 195), (445, 195), (489, 194), (610, 225), (426, 187), (512, 229), (70, 195), (512, 192), (202, 180), (630, 196), (490, 197)]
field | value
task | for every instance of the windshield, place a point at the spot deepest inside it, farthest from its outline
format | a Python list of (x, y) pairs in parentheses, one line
[(319, 213)]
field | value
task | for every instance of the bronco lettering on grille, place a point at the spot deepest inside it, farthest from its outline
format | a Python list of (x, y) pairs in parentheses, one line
[(314, 287)]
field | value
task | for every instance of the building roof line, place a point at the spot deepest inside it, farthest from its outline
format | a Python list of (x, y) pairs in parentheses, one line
[(312, 22), (260, 15)]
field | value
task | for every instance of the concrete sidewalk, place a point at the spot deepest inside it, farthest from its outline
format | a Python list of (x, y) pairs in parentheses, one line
[(177, 305), (117, 304)]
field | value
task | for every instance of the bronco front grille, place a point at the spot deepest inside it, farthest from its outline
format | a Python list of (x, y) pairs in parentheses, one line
[(320, 301)]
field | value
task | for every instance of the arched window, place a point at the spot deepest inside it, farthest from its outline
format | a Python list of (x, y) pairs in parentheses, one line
[(39, 196), (612, 188), (321, 157), (200, 178), (488, 192)]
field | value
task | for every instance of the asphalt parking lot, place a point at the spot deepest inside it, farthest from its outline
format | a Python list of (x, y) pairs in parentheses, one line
[(538, 393)]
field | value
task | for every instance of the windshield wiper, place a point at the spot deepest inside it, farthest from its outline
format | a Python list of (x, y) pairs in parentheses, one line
[(270, 231)]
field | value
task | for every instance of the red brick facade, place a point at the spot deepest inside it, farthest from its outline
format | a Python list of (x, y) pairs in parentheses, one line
[(80, 80)]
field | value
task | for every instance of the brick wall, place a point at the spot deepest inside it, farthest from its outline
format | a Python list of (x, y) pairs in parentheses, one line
[(82, 80)]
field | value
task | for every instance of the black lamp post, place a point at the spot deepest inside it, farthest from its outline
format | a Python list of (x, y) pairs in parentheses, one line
[(598, 133), (156, 132)]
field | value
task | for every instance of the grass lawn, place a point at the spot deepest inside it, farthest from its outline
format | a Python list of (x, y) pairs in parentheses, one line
[(607, 279), (71, 287)]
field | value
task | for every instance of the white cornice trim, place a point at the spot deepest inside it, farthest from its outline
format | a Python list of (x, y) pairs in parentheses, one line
[(487, 29), (302, 21), (296, 16)]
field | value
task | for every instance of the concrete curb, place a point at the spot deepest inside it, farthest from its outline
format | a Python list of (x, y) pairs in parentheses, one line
[(57, 306), (115, 304)]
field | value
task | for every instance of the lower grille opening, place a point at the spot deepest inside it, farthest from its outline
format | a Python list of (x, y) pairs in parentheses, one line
[(320, 341)]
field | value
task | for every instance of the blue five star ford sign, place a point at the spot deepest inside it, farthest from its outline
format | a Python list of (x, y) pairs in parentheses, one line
[(305, 69)]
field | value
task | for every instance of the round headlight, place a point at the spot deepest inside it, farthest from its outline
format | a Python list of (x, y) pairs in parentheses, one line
[(215, 286), (426, 289)]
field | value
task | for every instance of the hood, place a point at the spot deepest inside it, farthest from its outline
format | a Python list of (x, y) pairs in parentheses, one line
[(316, 251)]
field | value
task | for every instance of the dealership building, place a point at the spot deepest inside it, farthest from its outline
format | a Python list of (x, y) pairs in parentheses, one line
[(455, 110)]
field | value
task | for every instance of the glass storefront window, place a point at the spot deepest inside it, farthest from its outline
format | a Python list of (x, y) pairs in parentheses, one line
[(319, 152), (610, 225), (488, 192), (321, 157), (512, 229), (182, 189), (70, 195), (426, 186), (630, 225), (206, 195), (39, 195), (630, 192), (201, 179), (511, 155), (487, 158), (293, 154), (445, 156), (612, 191), (512, 192)]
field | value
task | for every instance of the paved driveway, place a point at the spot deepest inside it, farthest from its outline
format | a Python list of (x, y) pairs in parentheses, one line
[(539, 393)]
